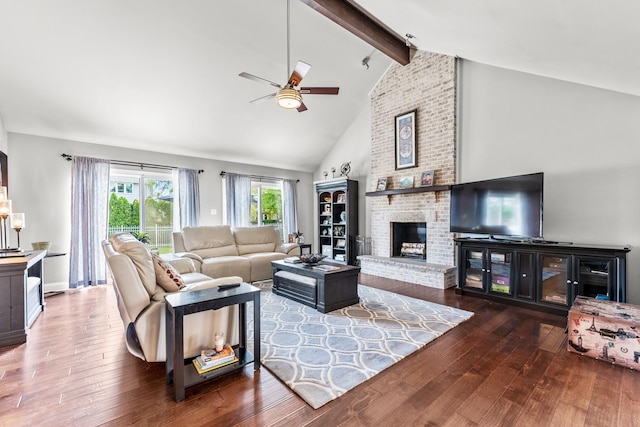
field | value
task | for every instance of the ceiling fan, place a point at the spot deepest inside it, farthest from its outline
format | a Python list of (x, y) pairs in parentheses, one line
[(289, 96)]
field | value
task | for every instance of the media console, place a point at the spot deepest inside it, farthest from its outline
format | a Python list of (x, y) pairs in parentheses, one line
[(539, 274)]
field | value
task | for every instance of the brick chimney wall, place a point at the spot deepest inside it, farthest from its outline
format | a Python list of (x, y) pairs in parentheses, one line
[(428, 85)]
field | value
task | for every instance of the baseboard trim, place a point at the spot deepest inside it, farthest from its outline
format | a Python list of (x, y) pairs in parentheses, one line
[(55, 287)]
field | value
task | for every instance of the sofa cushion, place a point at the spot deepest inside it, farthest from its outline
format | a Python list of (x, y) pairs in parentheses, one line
[(256, 239), (210, 241), (126, 244), (227, 266), (167, 277), (261, 264)]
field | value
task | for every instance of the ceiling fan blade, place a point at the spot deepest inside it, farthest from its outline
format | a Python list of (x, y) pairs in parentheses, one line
[(319, 90), (301, 70), (263, 98), (258, 79), (302, 108)]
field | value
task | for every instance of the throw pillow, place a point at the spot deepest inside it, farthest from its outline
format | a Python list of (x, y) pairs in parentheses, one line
[(167, 277)]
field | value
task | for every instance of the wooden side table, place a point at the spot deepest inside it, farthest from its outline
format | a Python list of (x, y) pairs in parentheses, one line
[(180, 371), (306, 246)]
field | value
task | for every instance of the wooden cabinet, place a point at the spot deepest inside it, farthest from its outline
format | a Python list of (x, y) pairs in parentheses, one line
[(21, 296), (337, 202), (540, 275)]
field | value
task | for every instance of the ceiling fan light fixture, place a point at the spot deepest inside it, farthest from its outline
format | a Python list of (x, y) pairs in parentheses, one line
[(288, 98)]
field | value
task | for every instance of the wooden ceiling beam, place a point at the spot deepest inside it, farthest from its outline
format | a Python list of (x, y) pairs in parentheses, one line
[(364, 26)]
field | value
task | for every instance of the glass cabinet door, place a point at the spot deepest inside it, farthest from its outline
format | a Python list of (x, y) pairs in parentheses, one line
[(500, 272), (554, 282), (474, 271), (595, 278)]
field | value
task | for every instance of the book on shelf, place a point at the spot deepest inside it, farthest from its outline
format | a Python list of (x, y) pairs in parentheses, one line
[(209, 357), (206, 370), (292, 260)]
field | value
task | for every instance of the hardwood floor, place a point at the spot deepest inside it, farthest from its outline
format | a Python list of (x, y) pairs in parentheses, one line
[(505, 366)]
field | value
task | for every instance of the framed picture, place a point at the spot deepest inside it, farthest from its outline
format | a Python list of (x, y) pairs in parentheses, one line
[(382, 184), (426, 179), (342, 198), (406, 182), (406, 156), (340, 243)]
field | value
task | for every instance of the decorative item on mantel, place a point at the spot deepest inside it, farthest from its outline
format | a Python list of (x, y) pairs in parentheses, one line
[(5, 212)]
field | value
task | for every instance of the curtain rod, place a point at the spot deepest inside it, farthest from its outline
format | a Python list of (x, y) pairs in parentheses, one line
[(69, 157), (260, 177)]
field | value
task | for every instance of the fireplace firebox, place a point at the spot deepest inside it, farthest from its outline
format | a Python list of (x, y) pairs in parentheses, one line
[(409, 239)]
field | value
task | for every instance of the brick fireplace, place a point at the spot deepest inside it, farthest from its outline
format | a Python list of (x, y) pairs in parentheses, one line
[(427, 85)]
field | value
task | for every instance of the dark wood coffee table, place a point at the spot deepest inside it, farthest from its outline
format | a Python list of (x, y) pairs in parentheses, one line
[(333, 290)]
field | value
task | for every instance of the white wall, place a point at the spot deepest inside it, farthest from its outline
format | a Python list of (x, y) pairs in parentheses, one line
[(40, 186), (585, 140), (3, 137), (353, 146)]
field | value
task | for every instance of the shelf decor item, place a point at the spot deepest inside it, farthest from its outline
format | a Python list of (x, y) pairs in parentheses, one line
[(426, 179), (406, 140), (406, 182), (382, 184)]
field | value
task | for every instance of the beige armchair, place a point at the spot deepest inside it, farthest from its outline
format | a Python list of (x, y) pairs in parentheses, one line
[(141, 300)]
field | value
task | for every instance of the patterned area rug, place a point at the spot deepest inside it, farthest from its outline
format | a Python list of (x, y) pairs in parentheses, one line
[(322, 356)]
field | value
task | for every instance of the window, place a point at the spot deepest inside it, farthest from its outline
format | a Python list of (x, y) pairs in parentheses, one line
[(154, 217), (121, 187), (251, 200), (266, 204)]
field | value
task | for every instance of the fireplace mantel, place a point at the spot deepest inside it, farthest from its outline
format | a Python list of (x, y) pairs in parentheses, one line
[(398, 191)]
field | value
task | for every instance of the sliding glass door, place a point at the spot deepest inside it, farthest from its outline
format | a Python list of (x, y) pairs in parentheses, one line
[(150, 220)]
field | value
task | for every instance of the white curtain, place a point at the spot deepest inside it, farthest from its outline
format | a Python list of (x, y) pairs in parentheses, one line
[(189, 197), (290, 202), (89, 214), (238, 199)]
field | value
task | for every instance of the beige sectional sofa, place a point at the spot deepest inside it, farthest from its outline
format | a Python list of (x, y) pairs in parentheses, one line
[(141, 281), (222, 251)]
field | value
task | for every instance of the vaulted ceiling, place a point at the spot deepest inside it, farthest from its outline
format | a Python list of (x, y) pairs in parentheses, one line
[(162, 75)]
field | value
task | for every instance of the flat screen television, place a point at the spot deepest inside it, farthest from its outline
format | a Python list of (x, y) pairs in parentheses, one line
[(509, 207)]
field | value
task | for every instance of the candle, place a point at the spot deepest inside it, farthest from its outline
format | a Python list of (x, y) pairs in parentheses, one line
[(219, 341), (17, 221), (5, 208)]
